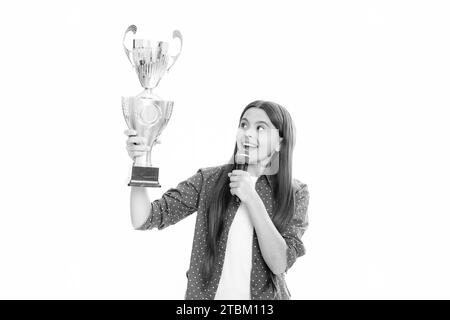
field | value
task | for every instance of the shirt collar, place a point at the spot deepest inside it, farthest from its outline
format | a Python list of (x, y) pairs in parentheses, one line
[(270, 179)]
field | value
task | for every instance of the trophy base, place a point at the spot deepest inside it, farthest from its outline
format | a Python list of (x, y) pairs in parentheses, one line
[(144, 177)]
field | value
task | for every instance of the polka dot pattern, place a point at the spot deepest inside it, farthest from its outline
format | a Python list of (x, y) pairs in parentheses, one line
[(191, 196)]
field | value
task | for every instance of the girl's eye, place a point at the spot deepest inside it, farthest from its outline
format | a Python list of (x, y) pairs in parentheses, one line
[(244, 125)]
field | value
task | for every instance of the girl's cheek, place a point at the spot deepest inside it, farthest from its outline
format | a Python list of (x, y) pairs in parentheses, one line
[(262, 151), (239, 134), (238, 137)]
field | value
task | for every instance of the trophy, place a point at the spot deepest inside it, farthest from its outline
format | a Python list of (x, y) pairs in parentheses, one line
[(147, 113)]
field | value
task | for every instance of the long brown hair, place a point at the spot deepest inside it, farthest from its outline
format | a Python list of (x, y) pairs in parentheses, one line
[(221, 197)]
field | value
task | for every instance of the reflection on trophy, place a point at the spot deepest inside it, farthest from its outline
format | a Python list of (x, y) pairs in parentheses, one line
[(147, 113)]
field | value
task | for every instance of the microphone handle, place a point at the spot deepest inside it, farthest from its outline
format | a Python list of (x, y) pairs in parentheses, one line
[(243, 167)]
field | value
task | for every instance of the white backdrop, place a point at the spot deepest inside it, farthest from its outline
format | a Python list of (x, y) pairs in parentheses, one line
[(367, 83)]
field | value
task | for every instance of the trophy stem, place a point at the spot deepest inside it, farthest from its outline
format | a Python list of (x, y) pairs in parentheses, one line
[(144, 160), (141, 161), (149, 159), (148, 94)]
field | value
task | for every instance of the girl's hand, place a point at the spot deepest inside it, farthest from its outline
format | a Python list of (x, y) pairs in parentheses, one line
[(135, 144), (241, 185)]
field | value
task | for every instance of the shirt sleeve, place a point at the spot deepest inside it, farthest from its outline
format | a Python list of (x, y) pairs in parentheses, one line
[(297, 226), (175, 204)]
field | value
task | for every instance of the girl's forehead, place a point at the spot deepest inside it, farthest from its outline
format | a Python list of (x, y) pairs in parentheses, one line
[(256, 114)]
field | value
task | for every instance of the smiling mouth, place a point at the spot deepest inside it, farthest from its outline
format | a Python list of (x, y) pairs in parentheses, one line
[(248, 145)]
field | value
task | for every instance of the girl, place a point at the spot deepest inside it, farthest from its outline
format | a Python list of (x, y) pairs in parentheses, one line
[(249, 223)]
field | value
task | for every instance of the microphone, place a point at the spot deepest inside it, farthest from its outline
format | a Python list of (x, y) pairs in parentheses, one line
[(241, 161)]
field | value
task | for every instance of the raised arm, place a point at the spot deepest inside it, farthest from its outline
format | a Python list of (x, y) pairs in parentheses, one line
[(140, 203), (174, 205)]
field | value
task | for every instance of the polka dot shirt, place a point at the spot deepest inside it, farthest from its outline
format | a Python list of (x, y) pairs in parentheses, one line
[(191, 196)]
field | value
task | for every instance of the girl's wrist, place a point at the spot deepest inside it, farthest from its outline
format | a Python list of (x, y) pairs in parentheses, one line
[(253, 197)]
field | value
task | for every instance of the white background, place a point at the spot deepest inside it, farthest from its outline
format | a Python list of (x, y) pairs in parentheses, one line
[(367, 84)]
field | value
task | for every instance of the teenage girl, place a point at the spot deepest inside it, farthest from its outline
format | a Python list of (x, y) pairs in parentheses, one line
[(249, 223)]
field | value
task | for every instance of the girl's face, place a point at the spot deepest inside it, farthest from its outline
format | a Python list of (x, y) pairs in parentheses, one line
[(258, 133)]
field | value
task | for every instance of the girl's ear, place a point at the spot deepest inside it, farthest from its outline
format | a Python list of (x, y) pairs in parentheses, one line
[(277, 148)]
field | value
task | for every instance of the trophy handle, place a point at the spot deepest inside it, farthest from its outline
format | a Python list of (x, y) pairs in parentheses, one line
[(176, 34), (126, 111), (133, 29)]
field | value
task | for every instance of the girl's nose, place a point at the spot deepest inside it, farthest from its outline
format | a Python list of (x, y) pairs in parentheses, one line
[(250, 133)]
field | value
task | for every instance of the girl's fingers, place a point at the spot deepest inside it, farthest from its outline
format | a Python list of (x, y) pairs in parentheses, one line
[(235, 178), (136, 154), (135, 140), (232, 174), (239, 172), (135, 144), (234, 184), (138, 148), (130, 132), (238, 175)]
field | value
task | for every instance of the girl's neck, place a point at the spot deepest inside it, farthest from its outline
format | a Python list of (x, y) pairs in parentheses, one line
[(255, 170), (259, 168)]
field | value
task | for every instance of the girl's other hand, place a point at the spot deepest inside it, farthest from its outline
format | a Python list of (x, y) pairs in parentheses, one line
[(241, 185)]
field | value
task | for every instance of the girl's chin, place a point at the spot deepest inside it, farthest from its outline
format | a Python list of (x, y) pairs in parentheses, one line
[(257, 162)]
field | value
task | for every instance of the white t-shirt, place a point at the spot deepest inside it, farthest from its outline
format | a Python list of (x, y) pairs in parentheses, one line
[(234, 282)]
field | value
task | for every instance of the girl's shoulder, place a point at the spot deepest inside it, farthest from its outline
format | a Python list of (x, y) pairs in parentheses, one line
[(213, 173), (299, 186)]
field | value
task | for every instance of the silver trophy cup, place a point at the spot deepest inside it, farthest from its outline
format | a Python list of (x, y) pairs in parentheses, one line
[(147, 113)]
